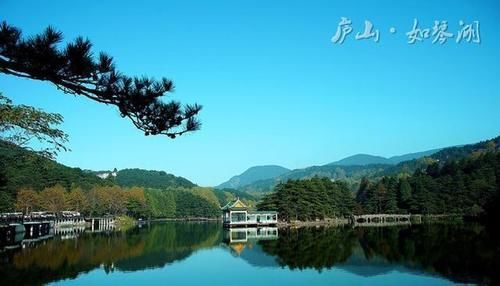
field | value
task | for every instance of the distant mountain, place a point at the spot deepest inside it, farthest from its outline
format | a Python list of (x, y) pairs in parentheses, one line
[(353, 168), (252, 175), (361, 160), (445, 155), (350, 174), (411, 156), (150, 179), (366, 159), (350, 169)]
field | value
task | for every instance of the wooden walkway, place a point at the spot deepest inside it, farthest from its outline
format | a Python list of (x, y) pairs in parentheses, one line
[(382, 219)]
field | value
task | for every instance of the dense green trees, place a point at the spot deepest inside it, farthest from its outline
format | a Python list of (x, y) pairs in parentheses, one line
[(20, 168), (161, 203), (33, 178), (150, 179), (379, 197), (315, 198), (468, 186), (182, 203)]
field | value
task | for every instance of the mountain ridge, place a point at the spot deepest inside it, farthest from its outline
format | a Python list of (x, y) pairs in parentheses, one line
[(253, 174), (370, 166), (363, 160)]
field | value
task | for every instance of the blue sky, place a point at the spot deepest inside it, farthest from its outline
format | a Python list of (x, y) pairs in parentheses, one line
[(275, 89)]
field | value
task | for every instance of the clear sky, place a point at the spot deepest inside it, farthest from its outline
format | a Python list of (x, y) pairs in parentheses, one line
[(274, 87)]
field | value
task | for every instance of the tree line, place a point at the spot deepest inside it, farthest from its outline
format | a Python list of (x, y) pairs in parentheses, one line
[(469, 186), (181, 202), (315, 198), (99, 200), (114, 200)]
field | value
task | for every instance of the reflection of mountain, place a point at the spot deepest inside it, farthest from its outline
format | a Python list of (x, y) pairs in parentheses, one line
[(358, 264), (252, 253)]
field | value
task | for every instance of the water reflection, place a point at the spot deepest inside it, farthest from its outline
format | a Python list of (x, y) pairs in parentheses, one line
[(244, 235), (459, 252), (465, 253), (137, 249)]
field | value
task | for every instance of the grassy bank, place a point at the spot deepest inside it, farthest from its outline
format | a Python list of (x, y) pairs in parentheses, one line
[(125, 222)]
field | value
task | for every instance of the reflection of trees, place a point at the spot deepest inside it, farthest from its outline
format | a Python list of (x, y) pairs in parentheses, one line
[(171, 242), (460, 252), (316, 248), (133, 250)]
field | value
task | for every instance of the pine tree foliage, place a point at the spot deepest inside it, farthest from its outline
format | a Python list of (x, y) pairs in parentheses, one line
[(75, 70)]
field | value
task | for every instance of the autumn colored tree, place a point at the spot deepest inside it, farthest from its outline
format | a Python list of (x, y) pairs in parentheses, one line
[(136, 202), (92, 205), (110, 200), (27, 200), (75, 200), (53, 199)]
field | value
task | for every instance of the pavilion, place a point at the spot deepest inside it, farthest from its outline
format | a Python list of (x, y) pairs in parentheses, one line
[(236, 214)]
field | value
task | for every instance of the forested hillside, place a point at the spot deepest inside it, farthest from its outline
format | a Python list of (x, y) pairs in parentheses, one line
[(20, 168), (310, 199), (30, 182), (349, 174), (182, 203), (227, 195), (362, 167), (467, 186), (253, 175), (150, 179), (444, 155)]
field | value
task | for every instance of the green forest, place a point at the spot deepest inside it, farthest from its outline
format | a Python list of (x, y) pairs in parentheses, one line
[(469, 186), (30, 182), (150, 179), (460, 180), (315, 198)]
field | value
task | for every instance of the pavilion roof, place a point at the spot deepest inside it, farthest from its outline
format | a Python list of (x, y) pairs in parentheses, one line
[(236, 204)]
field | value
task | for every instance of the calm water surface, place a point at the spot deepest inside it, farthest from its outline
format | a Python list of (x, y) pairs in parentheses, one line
[(205, 254)]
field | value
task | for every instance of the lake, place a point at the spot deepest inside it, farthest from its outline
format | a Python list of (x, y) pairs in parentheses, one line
[(191, 253)]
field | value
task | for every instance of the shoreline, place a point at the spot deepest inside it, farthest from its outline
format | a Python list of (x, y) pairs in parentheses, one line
[(194, 219), (316, 223)]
